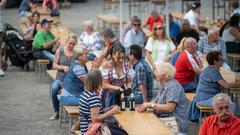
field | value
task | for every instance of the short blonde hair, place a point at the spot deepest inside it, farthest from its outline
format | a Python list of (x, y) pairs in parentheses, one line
[(77, 51), (166, 69)]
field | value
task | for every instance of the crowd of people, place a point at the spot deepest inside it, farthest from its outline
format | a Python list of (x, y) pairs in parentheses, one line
[(175, 61)]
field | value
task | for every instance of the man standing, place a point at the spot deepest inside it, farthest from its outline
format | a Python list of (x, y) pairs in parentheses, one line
[(213, 42), (223, 122), (187, 65), (44, 42), (2, 4), (142, 83)]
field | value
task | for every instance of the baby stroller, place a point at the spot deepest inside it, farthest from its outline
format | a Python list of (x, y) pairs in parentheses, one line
[(16, 49)]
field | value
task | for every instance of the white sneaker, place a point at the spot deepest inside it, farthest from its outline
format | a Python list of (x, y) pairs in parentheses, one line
[(2, 74), (54, 117)]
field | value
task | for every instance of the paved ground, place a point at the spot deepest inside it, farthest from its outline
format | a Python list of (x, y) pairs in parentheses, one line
[(24, 102)]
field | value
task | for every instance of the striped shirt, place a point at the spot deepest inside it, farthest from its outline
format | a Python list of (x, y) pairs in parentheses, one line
[(87, 101)]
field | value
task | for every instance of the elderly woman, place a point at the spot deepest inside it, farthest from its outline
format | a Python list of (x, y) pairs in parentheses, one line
[(116, 75), (73, 83), (90, 104), (210, 80), (63, 58), (171, 100), (159, 47), (91, 39)]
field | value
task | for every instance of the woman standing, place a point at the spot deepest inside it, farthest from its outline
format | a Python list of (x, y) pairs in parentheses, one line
[(159, 47), (63, 57), (115, 76)]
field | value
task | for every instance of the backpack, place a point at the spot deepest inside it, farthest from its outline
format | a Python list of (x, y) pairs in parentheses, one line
[(54, 12)]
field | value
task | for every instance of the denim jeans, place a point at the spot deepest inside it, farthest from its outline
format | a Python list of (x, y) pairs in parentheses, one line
[(190, 86), (49, 55), (55, 101), (68, 99), (44, 54), (23, 13)]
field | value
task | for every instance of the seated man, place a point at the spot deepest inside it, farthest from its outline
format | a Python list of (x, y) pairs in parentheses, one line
[(134, 36), (223, 122), (26, 6), (142, 82), (44, 42), (213, 42), (187, 65)]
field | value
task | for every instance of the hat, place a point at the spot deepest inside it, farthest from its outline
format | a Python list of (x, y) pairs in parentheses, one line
[(196, 5), (45, 20), (108, 33)]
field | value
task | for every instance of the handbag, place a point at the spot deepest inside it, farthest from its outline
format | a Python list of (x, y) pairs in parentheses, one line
[(98, 129)]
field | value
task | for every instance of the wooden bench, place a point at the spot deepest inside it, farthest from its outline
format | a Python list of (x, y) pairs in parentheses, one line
[(203, 110), (72, 113), (78, 132), (52, 76), (190, 96), (42, 66)]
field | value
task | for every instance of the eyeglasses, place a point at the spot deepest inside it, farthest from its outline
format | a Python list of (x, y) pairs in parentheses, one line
[(137, 24), (158, 28)]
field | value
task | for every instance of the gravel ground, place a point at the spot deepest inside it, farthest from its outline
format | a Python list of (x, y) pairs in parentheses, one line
[(25, 105)]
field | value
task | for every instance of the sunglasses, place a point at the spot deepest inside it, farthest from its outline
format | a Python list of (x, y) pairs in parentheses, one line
[(137, 24), (158, 28)]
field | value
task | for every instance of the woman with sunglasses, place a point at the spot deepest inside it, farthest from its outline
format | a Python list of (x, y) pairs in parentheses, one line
[(159, 47), (134, 36), (63, 58)]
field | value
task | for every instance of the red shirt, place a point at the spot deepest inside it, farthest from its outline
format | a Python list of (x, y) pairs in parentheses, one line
[(210, 126), (184, 69), (150, 22)]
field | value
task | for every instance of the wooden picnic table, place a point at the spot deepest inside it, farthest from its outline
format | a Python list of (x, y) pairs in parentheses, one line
[(145, 123), (109, 19)]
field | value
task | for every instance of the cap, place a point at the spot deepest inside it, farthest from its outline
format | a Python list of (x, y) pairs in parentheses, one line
[(196, 5), (108, 33), (45, 20)]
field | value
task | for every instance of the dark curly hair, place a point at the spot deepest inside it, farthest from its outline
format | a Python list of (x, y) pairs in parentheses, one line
[(213, 56)]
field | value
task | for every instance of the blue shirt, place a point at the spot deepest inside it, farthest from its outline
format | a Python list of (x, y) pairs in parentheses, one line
[(143, 75), (174, 92), (133, 37), (208, 84), (174, 29), (87, 101), (72, 83)]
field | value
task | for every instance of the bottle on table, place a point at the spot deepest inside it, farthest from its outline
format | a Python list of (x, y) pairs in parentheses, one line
[(132, 103), (122, 100)]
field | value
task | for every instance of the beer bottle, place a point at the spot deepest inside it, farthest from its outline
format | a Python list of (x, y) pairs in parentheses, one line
[(122, 100), (132, 103)]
